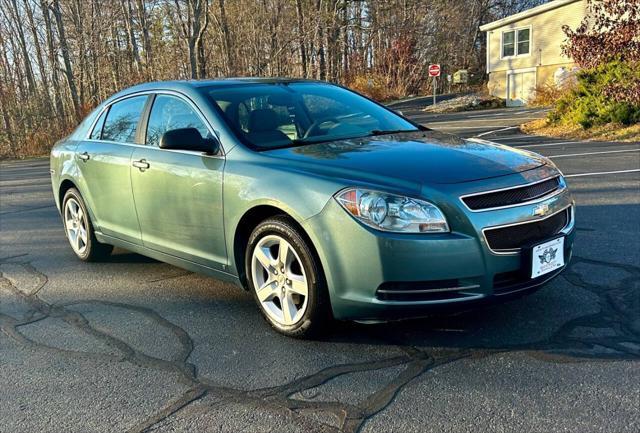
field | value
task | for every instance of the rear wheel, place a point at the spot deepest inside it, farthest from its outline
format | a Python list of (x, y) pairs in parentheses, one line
[(286, 279), (79, 229)]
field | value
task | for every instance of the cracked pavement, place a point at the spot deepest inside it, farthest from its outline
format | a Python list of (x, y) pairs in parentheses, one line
[(136, 345)]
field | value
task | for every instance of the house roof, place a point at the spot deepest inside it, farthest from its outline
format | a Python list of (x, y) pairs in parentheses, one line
[(526, 14)]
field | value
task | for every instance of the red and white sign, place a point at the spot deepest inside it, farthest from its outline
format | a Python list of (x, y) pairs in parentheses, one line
[(434, 70)]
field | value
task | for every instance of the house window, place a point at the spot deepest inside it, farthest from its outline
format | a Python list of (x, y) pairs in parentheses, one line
[(524, 41), (508, 44), (516, 42)]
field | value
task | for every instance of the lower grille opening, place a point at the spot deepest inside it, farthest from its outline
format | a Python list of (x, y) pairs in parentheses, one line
[(508, 282), (516, 236), (414, 291)]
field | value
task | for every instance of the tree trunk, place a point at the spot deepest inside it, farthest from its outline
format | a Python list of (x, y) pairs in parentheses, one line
[(226, 38), (146, 41), (131, 36), (301, 37), (53, 62), (322, 67), (28, 71), (6, 117), (202, 59), (39, 58), (64, 48)]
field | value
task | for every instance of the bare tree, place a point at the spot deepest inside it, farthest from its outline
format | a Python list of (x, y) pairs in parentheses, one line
[(66, 56), (194, 18), (59, 58)]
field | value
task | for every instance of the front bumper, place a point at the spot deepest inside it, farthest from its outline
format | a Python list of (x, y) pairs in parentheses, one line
[(451, 271)]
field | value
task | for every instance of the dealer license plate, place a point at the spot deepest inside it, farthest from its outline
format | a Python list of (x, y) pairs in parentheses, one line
[(547, 257)]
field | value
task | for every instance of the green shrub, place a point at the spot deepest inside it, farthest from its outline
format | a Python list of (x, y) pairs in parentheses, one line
[(605, 94)]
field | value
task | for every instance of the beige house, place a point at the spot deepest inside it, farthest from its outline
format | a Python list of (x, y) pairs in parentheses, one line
[(523, 50)]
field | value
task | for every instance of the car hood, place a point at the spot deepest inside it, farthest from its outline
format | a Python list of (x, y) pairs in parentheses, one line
[(422, 157)]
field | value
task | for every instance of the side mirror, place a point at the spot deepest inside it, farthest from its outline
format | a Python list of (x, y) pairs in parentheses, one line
[(189, 139)]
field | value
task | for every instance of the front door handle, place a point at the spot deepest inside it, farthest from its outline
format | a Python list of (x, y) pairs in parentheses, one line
[(84, 156), (142, 164)]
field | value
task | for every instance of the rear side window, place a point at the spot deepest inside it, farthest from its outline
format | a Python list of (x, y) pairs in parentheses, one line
[(169, 113), (122, 120), (96, 134)]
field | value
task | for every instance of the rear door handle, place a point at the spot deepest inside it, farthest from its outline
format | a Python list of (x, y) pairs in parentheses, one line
[(142, 164), (84, 156)]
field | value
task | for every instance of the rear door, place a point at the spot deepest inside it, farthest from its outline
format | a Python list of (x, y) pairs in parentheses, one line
[(104, 161), (178, 193)]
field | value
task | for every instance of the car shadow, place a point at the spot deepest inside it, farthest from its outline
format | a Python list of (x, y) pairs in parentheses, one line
[(592, 310), (120, 255)]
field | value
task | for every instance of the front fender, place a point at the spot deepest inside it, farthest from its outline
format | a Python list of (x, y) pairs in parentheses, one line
[(298, 194)]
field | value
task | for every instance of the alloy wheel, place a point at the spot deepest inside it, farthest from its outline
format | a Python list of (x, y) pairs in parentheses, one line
[(75, 222), (279, 280)]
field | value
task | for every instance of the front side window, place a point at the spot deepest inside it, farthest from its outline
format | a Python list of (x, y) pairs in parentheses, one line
[(516, 42), (169, 113), (122, 120), (273, 115)]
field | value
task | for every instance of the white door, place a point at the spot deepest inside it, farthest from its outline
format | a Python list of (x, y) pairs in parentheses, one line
[(520, 86)]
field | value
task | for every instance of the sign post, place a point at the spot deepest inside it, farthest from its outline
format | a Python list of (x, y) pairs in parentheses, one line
[(434, 71)]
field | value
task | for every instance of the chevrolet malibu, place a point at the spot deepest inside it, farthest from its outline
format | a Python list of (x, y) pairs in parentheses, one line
[(320, 202)]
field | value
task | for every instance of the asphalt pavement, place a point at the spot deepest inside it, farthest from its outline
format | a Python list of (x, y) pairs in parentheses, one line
[(132, 344)]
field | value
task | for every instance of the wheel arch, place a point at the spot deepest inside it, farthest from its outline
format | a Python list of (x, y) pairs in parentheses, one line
[(68, 183), (249, 221), (65, 186)]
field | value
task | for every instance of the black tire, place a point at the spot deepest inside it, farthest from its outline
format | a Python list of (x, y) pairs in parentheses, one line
[(94, 250), (317, 317)]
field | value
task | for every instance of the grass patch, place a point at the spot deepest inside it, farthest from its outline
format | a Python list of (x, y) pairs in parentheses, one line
[(608, 132)]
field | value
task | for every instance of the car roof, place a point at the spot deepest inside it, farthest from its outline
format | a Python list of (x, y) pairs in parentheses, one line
[(192, 84), (189, 86)]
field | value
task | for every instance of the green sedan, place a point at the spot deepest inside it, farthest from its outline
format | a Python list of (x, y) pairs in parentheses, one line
[(320, 202)]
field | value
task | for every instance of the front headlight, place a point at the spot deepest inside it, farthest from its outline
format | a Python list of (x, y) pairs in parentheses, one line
[(392, 213)]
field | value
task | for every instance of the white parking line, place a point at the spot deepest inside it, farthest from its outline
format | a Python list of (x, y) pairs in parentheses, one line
[(465, 121), (592, 153), (516, 137), (506, 113), (602, 172), (551, 144), (432, 124), (497, 130)]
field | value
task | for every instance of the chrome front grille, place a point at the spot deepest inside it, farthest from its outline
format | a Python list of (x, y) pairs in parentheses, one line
[(513, 196)]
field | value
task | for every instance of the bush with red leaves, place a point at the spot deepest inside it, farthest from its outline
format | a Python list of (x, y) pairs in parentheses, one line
[(611, 30)]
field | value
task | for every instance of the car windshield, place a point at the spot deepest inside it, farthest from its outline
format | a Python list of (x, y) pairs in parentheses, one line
[(279, 115)]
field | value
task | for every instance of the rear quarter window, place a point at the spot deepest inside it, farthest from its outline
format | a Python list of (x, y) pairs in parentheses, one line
[(96, 134), (122, 120)]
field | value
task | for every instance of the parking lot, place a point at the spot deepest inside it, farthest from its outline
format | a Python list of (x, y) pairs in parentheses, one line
[(137, 345)]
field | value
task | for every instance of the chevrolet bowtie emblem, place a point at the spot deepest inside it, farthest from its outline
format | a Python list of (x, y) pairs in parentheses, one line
[(541, 210)]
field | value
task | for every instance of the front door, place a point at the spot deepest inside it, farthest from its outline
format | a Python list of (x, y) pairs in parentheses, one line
[(104, 161), (178, 194)]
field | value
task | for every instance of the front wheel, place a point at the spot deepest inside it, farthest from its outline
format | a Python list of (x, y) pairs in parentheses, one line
[(286, 279), (79, 229)]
